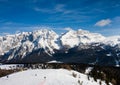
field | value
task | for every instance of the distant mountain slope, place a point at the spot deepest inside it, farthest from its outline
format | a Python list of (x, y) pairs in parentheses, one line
[(45, 45), (74, 38)]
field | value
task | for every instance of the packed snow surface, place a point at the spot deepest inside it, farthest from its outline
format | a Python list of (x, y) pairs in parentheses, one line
[(47, 77)]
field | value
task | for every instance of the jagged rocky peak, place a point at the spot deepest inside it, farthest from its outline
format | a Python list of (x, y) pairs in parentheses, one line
[(28, 41), (49, 40)]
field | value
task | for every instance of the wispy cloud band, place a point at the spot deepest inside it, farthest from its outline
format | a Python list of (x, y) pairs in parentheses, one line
[(103, 22)]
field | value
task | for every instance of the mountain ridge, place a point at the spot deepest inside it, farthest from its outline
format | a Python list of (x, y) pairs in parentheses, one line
[(48, 43)]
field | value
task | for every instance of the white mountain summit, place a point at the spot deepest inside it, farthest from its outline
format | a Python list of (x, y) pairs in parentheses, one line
[(74, 38), (24, 43)]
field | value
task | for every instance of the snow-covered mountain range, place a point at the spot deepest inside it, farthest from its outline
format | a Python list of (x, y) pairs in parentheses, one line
[(26, 42), (46, 42)]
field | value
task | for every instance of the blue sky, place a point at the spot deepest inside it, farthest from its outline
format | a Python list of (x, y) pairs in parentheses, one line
[(102, 16)]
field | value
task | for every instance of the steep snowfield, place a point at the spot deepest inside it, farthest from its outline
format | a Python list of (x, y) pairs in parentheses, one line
[(47, 77), (112, 40), (74, 38)]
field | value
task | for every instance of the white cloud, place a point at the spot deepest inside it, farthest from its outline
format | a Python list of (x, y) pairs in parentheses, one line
[(9, 23), (103, 22), (42, 10), (61, 8), (117, 19), (67, 28), (57, 8)]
